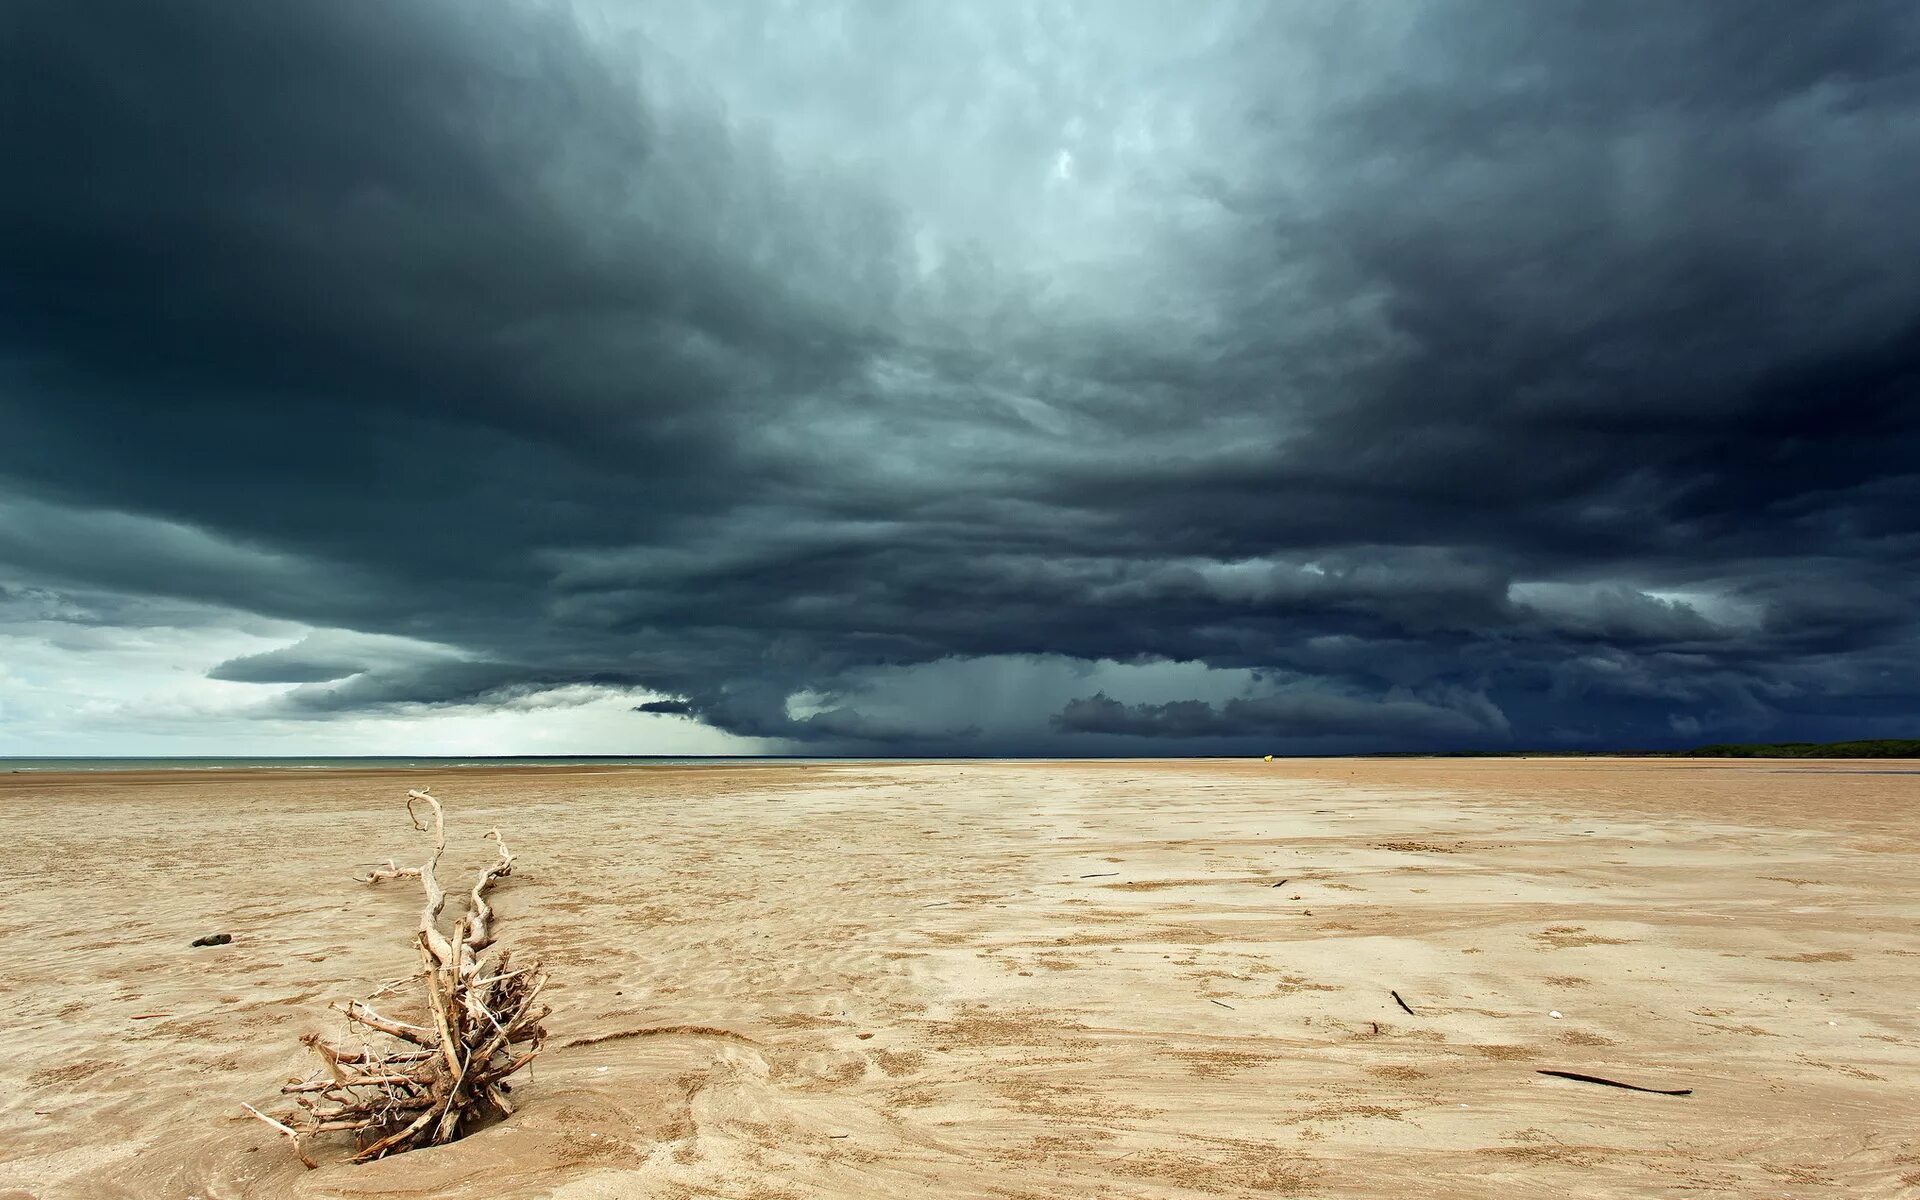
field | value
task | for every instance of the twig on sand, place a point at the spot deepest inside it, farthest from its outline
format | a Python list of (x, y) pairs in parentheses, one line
[(1282, 883), (1631, 1087), (390, 871), (1100, 875), (287, 1131), (661, 1031), (1224, 1004), (1404, 1007)]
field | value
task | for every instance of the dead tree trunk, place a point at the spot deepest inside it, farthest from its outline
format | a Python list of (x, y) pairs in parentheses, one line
[(434, 1079)]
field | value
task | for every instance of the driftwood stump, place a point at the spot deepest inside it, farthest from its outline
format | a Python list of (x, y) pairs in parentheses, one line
[(427, 1083)]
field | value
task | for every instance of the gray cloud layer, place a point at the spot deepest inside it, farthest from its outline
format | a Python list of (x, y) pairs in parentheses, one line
[(1440, 375)]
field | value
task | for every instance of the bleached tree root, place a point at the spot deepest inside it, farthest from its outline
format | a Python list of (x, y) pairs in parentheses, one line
[(429, 1082)]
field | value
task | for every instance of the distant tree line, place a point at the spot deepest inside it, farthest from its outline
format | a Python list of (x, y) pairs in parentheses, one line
[(1877, 748)]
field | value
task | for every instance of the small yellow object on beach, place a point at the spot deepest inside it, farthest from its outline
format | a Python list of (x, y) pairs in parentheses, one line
[(1269, 758)]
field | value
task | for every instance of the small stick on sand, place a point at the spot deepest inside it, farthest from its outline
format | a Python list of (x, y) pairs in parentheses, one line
[(661, 1031), (288, 1131), (382, 874), (1403, 1004), (1631, 1087)]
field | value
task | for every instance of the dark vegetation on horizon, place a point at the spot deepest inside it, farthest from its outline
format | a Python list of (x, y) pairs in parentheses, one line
[(1876, 748)]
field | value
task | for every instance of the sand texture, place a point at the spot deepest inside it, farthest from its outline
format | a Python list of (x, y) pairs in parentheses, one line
[(1004, 980)]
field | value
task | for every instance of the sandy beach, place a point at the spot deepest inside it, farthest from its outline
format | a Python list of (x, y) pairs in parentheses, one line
[(1115, 979)]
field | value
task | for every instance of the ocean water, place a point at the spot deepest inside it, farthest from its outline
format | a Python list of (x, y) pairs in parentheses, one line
[(367, 762)]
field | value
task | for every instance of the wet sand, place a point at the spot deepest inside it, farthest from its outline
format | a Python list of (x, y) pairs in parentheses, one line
[(1127, 979)]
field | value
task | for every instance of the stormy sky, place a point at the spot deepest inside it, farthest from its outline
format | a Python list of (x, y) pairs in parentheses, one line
[(906, 378)]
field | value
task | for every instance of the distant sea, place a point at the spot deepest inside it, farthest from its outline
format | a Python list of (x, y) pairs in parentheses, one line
[(365, 762)]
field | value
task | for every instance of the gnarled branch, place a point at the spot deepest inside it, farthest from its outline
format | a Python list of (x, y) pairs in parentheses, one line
[(434, 1079)]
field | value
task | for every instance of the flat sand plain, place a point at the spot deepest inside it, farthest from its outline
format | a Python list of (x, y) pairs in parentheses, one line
[(1114, 979)]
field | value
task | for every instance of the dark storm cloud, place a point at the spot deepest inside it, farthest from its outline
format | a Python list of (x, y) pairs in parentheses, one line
[(279, 666), (1284, 717), (329, 655), (1437, 375)]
